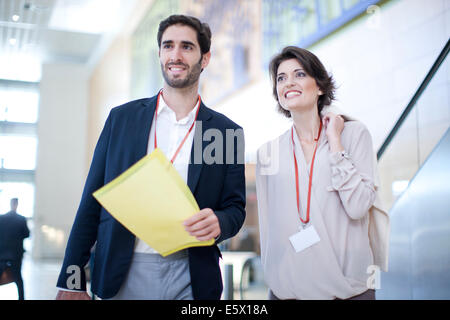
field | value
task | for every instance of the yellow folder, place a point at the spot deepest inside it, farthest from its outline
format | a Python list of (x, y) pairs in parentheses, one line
[(151, 200)]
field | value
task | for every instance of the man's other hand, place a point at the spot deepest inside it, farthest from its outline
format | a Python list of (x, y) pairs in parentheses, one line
[(70, 295)]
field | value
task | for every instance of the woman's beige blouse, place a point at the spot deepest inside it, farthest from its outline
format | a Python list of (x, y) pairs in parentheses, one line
[(343, 193)]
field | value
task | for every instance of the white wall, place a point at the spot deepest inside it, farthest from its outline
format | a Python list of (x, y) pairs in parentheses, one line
[(61, 166)]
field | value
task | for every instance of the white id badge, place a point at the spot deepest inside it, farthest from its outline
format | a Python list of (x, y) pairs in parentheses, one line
[(305, 238)]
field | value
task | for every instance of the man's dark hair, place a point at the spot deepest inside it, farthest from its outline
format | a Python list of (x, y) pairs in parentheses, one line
[(312, 66), (202, 29)]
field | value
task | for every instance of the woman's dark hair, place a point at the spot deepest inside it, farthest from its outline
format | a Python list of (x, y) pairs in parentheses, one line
[(312, 66), (203, 30)]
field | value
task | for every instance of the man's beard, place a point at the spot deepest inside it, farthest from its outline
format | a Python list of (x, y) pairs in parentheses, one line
[(191, 78)]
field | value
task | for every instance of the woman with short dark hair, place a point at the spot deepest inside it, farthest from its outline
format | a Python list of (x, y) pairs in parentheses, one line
[(316, 184), (313, 67)]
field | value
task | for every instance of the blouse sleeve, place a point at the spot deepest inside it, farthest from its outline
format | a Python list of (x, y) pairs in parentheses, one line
[(352, 171), (262, 199)]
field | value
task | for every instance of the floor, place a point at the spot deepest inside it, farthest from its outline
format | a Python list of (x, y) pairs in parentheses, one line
[(40, 277)]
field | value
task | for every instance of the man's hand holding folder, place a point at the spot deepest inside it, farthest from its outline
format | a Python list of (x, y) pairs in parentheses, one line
[(203, 225)]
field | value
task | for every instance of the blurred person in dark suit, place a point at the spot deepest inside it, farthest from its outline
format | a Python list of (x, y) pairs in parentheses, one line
[(13, 230)]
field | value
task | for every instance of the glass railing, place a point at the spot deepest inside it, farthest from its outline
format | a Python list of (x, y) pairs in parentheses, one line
[(419, 129)]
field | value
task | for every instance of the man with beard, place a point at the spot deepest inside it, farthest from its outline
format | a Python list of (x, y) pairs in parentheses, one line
[(124, 266)]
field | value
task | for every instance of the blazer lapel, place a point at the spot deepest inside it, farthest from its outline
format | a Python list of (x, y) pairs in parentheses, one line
[(143, 125), (203, 123)]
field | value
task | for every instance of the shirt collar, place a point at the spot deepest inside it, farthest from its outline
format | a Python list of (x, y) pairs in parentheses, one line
[(163, 108)]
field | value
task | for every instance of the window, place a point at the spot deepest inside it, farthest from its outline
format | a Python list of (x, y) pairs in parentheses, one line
[(18, 152), (19, 105), (21, 190), (304, 22)]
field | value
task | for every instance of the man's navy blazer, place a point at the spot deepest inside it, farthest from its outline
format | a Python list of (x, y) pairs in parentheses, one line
[(123, 141)]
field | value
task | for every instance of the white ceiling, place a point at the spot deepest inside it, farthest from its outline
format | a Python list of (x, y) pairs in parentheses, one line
[(33, 32)]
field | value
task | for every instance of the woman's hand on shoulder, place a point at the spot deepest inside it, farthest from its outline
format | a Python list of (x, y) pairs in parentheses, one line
[(334, 124)]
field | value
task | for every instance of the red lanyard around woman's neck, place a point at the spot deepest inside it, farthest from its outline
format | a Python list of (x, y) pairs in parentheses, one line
[(187, 134), (310, 175)]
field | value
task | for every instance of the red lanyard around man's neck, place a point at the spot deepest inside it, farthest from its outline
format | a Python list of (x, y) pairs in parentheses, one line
[(187, 134)]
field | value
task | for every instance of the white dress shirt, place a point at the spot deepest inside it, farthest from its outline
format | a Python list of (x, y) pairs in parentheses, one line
[(170, 133)]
